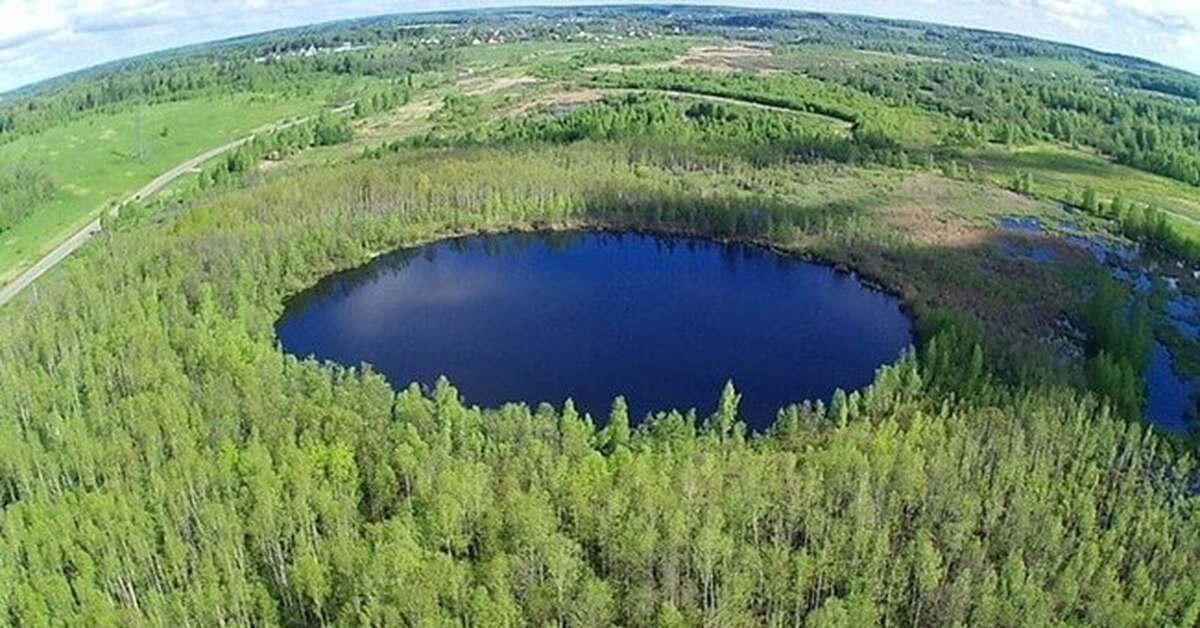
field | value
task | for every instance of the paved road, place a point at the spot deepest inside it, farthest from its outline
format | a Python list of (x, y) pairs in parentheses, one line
[(79, 238), (192, 164), (60, 253)]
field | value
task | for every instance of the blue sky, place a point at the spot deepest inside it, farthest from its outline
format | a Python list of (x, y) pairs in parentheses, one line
[(44, 38)]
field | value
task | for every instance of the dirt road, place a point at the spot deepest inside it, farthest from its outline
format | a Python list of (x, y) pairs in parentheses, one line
[(79, 238)]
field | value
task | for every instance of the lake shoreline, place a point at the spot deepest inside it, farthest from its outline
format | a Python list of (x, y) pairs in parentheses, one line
[(567, 311)]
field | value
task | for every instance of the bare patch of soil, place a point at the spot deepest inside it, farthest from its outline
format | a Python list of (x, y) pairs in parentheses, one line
[(564, 99), (936, 212), (492, 84), (399, 122), (958, 258), (729, 58)]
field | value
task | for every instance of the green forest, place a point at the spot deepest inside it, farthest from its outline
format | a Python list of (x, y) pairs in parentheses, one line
[(164, 462)]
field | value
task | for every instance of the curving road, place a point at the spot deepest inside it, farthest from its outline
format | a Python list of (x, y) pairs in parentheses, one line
[(79, 238)]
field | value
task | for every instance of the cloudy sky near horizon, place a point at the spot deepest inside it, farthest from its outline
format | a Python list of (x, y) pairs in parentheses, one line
[(40, 39)]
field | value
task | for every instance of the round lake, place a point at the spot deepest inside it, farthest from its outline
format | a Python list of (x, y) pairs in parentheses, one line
[(663, 321)]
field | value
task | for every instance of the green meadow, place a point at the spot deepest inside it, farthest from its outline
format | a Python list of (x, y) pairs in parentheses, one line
[(1062, 172), (99, 160)]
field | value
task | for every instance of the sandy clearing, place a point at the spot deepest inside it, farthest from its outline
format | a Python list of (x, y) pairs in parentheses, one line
[(489, 85), (727, 58), (559, 99)]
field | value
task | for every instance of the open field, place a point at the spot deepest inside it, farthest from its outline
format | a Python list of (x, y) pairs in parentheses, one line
[(99, 160), (1064, 172), (169, 180)]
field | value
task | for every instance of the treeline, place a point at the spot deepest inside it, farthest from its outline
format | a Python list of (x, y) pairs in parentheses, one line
[(23, 186), (164, 462), (1013, 105), (325, 130), (630, 116), (940, 41), (713, 129), (1178, 84), (380, 100), (201, 74), (869, 117), (1142, 223), (1119, 336)]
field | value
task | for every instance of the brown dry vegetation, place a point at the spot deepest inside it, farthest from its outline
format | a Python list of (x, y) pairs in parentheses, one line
[(569, 98), (726, 58), (735, 57), (398, 123), (480, 85), (935, 212), (944, 252)]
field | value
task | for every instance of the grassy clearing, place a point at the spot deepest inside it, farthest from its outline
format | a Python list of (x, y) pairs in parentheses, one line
[(934, 240), (818, 56), (1054, 67), (721, 56), (99, 160), (1063, 173), (521, 53)]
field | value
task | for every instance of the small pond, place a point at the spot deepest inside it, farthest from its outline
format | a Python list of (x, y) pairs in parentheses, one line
[(1169, 393), (664, 321)]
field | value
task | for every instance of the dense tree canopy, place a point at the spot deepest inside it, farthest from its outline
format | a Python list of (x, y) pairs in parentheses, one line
[(1015, 106), (22, 187), (166, 463)]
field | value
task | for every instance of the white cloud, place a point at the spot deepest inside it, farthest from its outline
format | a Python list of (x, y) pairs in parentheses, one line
[(23, 22), (1166, 15), (26, 21), (43, 38), (1075, 14)]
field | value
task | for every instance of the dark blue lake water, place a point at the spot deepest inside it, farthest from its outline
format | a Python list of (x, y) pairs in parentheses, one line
[(1168, 394), (663, 321)]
